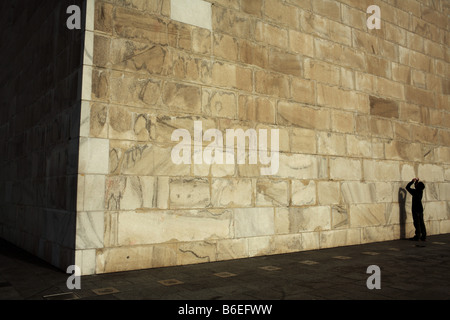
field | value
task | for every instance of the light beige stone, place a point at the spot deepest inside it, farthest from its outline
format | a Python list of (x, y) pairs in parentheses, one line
[(250, 222), (232, 249), (189, 193), (328, 192), (344, 237), (381, 170), (316, 218), (149, 227), (272, 192), (363, 215), (331, 144), (301, 166), (196, 252), (232, 193), (303, 192), (345, 169), (358, 192)]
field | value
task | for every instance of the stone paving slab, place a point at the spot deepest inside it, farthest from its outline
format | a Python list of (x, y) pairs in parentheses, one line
[(409, 270)]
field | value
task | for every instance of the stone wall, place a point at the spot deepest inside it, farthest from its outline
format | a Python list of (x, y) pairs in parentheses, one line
[(39, 128), (111, 164), (360, 112)]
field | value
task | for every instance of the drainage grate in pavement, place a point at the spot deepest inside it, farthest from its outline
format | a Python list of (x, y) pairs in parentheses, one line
[(270, 268), (170, 282), (309, 262), (225, 274), (371, 253), (62, 296), (104, 291), (342, 257)]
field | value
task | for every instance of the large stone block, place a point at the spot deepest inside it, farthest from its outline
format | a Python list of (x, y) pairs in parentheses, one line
[(284, 62), (344, 237), (316, 219), (341, 99), (253, 53), (381, 170), (135, 257), (271, 35), (379, 233), (321, 71), (189, 193), (358, 192), (132, 24), (232, 193), (196, 252), (298, 115), (328, 192), (181, 97), (383, 107), (232, 76), (272, 192), (303, 141), (138, 57), (272, 84), (151, 227), (256, 109), (251, 222), (303, 192), (219, 104), (301, 43), (300, 166), (363, 215), (345, 169), (303, 91), (430, 172), (331, 143)]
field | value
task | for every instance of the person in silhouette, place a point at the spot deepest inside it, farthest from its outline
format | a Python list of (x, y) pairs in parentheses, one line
[(417, 208)]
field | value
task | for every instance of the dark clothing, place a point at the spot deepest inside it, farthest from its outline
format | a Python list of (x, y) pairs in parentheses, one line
[(417, 211), (416, 197)]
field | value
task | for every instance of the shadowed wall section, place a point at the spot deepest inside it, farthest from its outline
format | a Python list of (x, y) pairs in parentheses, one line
[(39, 123)]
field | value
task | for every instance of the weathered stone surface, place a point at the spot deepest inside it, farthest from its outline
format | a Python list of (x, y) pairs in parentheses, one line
[(383, 107), (358, 114), (231, 193), (189, 193), (151, 227), (252, 222), (309, 219), (272, 193)]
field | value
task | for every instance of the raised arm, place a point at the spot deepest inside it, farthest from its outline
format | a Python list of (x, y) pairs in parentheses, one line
[(408, 187)]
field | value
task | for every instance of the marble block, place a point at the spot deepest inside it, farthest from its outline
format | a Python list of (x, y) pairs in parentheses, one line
[(345, 169), (336, 238), (381, 170), (309, 219), (303, 192), (300, 166), (135, 257), (231, 193), (150, 227), (196, 252), (232, 249), (251, 222), (90, 229), (358, 192), (272, 192), (189, 193), (362, 215)]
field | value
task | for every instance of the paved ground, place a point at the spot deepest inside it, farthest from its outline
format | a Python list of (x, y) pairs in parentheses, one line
[(409, 270)]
